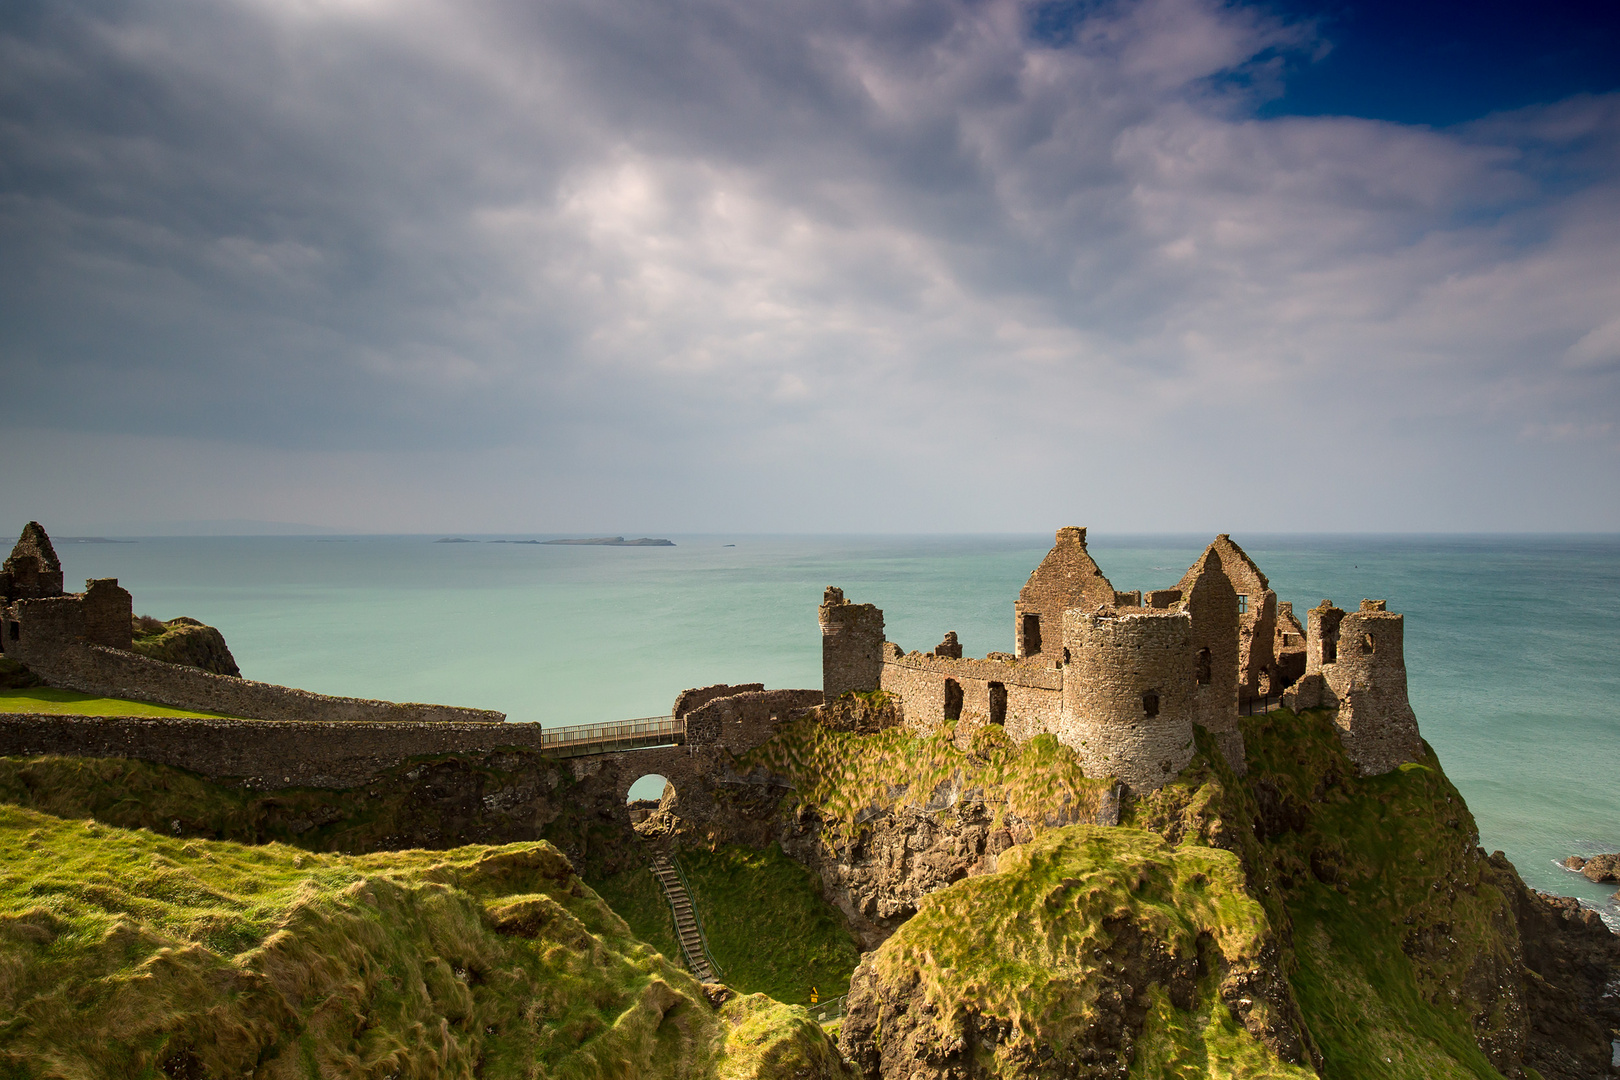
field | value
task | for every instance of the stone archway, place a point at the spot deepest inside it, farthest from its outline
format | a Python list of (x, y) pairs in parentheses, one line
[(650, 795)]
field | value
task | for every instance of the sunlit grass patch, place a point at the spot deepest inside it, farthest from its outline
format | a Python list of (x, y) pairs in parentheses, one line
[(45, 699)]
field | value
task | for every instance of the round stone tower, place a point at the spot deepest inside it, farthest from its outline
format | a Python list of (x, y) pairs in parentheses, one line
[(1129, 683)]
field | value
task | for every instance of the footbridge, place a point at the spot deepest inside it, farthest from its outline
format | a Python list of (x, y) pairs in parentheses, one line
[(579, 740)]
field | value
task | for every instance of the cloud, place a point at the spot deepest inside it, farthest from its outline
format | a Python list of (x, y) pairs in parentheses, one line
[(800, 256)]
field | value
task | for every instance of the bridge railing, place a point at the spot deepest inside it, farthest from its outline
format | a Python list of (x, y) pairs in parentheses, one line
[(579, 739)]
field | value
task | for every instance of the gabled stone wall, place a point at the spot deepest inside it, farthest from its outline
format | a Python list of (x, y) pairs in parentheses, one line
[(1067, 578)]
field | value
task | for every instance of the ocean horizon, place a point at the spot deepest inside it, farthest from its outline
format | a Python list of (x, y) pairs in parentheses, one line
[(1511, 650)]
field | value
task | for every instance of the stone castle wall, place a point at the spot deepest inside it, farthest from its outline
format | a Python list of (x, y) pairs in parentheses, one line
[(1210, 601), (104, 672), (260, 754), (851, 646), (1128, 694), (688, 700), (1032, 703), (739, 722), (109, 614)]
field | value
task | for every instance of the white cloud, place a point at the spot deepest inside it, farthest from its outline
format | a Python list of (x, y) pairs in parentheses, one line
[(879, 252)]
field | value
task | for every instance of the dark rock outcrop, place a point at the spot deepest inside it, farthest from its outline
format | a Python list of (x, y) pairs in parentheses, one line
[(186, 642), (1599, 868)]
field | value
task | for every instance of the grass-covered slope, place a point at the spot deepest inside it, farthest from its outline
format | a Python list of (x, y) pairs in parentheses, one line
[(1089, 949), (127, 954), (1408, 956), (183, 641), (768, 925), (846, 775)]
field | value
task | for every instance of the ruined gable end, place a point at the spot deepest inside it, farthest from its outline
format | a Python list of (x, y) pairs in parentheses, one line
[(1066, 578), (33, 571)]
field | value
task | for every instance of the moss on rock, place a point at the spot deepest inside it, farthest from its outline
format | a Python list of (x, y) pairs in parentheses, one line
[(126, 954)]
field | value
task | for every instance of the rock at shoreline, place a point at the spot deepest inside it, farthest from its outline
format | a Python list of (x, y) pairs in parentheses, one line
[(1599, 868)]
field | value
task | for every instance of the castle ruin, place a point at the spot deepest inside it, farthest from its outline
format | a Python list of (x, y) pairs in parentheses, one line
[(1123, 678)]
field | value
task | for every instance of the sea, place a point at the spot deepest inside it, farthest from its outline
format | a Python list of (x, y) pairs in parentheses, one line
[(1512, 642)]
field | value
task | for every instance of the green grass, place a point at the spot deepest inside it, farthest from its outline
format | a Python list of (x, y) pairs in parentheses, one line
[(768, 925), (638, 899), (1399, 951), (44, 699), (1069, 922), (769, 928), (126, 954), (841, 774)]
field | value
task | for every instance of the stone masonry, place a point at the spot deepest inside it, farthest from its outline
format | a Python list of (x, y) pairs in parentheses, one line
[(1356, 665), (1124, 677)]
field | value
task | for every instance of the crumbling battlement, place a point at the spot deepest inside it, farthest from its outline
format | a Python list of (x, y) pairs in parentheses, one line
[(81, 641), (851, 645), (739, 722), (1025, 696), (1356, 664), (1123, 677)]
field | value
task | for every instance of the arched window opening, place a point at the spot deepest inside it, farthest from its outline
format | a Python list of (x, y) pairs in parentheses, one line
[(1150, 703), (1367, 645)]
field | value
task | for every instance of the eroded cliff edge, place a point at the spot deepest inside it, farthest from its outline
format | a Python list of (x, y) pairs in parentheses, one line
[(1345, 926)]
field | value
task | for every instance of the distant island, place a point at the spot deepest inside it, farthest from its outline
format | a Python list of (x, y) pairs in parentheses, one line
[(595, 541), (95, 540), (613, 541)]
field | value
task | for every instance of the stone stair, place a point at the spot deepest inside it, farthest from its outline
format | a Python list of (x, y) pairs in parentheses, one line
[(686, 927)]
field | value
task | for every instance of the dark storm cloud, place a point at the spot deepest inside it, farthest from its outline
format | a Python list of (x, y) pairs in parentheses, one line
[(772, 246)]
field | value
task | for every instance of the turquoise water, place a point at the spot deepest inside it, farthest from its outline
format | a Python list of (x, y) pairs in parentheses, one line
[(1513, 646)]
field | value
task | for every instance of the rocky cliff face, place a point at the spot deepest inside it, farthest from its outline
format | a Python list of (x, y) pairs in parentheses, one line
[(187, 642)]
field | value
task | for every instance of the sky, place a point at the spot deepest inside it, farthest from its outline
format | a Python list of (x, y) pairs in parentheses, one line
[(664, 266)]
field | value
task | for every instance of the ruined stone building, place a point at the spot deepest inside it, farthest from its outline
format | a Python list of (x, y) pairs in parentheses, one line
[(1123, 678)]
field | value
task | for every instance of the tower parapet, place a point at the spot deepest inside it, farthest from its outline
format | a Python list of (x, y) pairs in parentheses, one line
[(851, 645), (1129, 694), (1355, 663)]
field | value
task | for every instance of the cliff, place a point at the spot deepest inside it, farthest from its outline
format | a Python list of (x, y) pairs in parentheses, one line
[(1300, 919), (184, 641)]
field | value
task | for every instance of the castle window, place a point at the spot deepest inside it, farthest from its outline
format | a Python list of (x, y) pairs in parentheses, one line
[(1366, 644), (1330, 650), (1032, 634), (1150, 703), (998, 703), (1203, 667), (953, 700), (16, 632), (1243, 603)]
